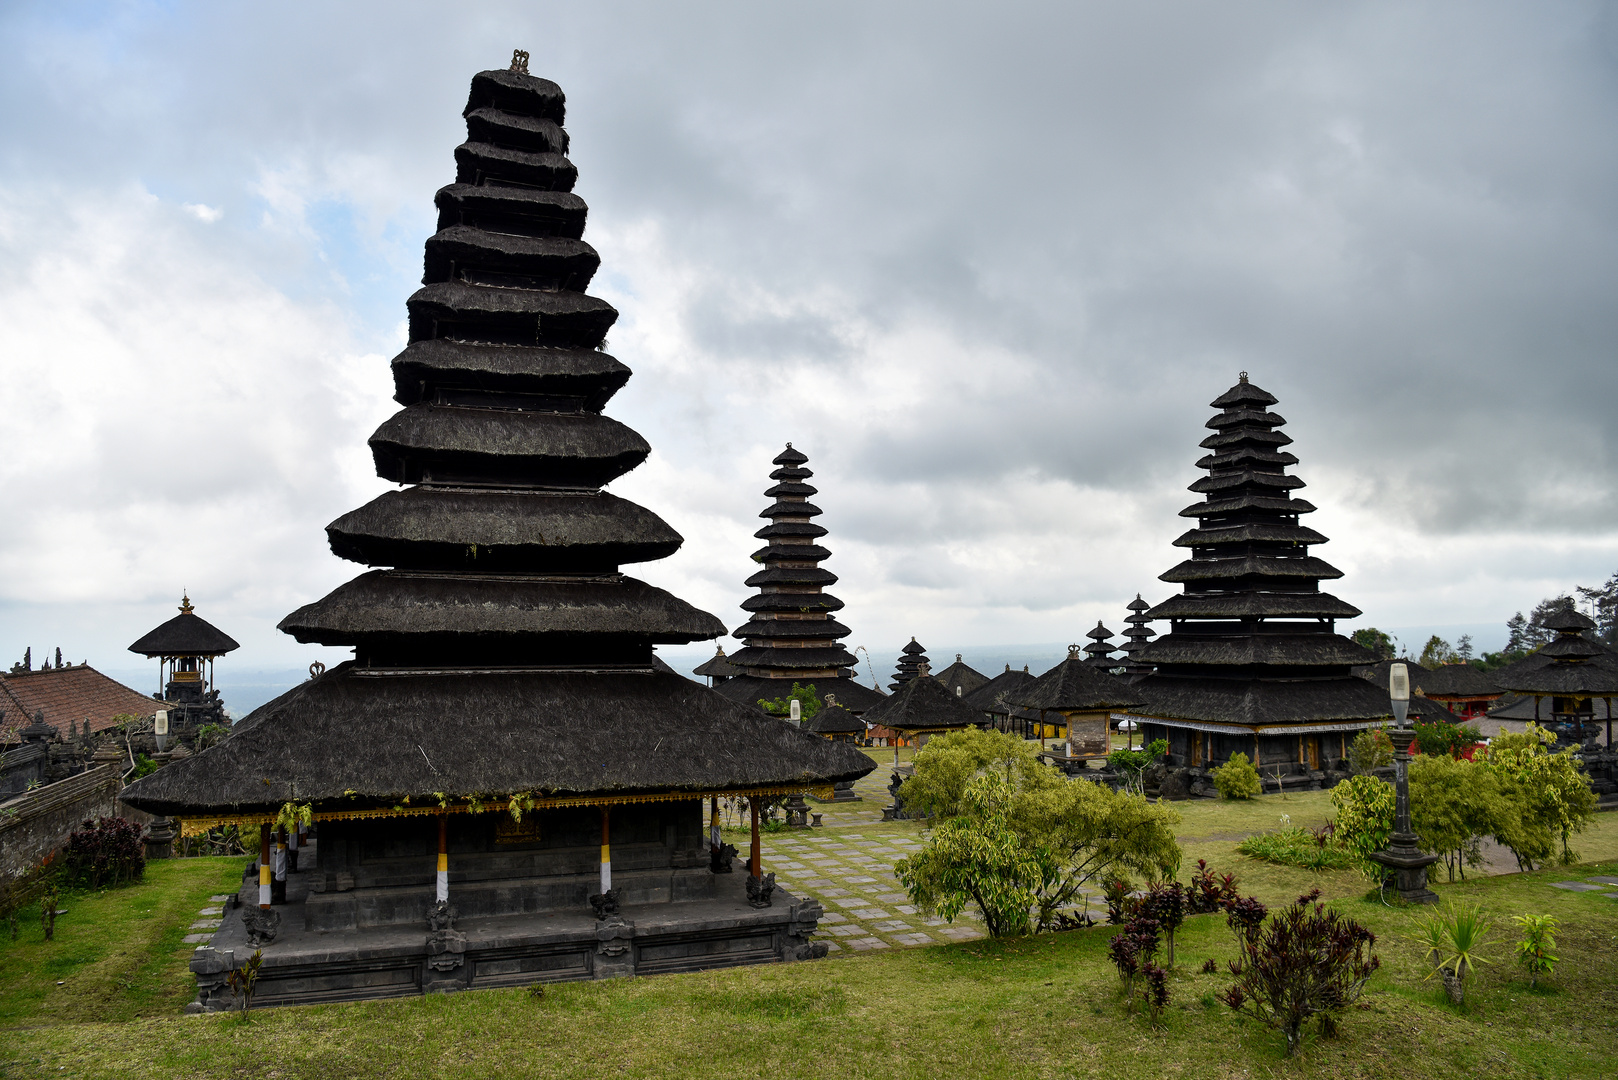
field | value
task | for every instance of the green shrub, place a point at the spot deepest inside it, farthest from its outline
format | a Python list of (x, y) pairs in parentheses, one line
[(1455, 937), (1547, 797), (1371, 749), (1365, 807), (1443, 738), (1534, 951), (1298, 847), (1131, 765), (1237, 779)]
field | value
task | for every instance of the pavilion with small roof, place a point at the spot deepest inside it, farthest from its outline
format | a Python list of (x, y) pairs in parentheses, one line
[(1085, 698), (992, 699), (1098, 654), (960, 678)]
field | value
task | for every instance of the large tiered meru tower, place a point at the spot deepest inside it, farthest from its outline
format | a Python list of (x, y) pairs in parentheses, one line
[(505, 786), (1252, 662), (791, 635)]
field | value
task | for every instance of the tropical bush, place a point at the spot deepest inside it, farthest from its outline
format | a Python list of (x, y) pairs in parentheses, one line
[(1455, 936), (1536, 950), (1370, 750), (1237, 779), (1547, 796), (1443, 737), (1365, 809), (1131, 765), (1022, 841), (1304, 962), (948, 763), (1453, 804), (809, 702), (104, 853)]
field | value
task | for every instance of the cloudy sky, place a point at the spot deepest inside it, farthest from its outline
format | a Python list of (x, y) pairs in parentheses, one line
[(985, 264)]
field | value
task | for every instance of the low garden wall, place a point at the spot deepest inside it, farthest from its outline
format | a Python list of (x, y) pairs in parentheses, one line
[(37, 823)]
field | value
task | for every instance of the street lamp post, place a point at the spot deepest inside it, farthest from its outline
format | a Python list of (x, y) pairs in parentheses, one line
[(1402, 854)]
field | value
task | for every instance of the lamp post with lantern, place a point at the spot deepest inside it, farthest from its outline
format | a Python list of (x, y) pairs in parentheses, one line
[(1402, 855)]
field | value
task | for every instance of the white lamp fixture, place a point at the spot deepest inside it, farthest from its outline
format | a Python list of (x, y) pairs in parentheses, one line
[(1399, 691), (796, 709), (160, 727)]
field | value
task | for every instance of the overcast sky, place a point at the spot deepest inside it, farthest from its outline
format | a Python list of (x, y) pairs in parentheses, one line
[(986, 264)]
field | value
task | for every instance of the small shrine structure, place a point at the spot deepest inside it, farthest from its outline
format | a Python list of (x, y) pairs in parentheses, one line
[(1138, 635), (992, 699), (791, 635), (718, 669), (1252, 662), (506, 786), (185, 648), (1086, 699), (1098, 654), (1460, 688), (960, 678), (912, 662)]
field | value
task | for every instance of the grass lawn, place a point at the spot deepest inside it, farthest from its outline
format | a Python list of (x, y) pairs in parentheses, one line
[(1031, 1007)]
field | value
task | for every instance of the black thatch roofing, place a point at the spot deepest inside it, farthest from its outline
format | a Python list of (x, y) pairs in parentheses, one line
[(349, 737), (789, 509), (1254, 566), (1243, 534), (1278, 650), (719, 667), (419, 603), (497, 446), (991, 696), (801, 602), (1381, 672), (836, 720), (1259, 702), (1248, 605), (536, 262), (1455, 680), (802, 658), (1569, 665), (485, 162), (1076, 686), (1217, 507), (792, 629), (960, 679), (750, 689), (795, 552), (535, 213), (922, 705), (791, 575), (788, 489), (790, 528), (534, 531), (444, 371), (187, 634), (508, 316)]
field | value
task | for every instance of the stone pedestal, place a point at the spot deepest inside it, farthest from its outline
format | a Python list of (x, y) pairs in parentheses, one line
[(159, 839), (1409, 865)]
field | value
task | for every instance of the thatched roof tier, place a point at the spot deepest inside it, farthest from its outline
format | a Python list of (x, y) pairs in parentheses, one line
[(534, 134), (1252, 566), (187, 634), (1309, 648), (480, 163), (790, 510), (750, 689), (1263, 702), (1245, 393), (1253, 605), (1246, 478), (481, 257), (508, 316), (1570, 647), (479, 529), (1138, 634), (1456, 680), (1380, 672), (1569, 665), (992, 696), (800, 602), (1243, 534), (778, 661), (1248, 436), (394, 605), (787, 490), (1076, 686), (456, 444), (791, 575), (1218, 507), (1231, 418), (779, 529), (923, 705), (784, 551), (1244, 454), (836, 720), (960, 679), (427, 369), (790, 458), (356, 738), (520, 210), (912, 658), (787, 629), (516, 92)]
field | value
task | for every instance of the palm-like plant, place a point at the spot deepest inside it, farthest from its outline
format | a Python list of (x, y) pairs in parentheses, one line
[(1455, 937), (1534, 951)]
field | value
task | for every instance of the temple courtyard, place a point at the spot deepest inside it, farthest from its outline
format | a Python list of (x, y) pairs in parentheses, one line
[(900, 994)]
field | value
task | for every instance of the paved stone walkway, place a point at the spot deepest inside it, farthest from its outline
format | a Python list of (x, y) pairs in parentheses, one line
[(210, 919)]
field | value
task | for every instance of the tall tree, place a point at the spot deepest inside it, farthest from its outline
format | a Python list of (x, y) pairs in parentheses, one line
[(1378, 642)]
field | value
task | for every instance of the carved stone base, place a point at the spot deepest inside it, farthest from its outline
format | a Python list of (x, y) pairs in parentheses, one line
[(263, 924), (759, 891), (1409, 866)]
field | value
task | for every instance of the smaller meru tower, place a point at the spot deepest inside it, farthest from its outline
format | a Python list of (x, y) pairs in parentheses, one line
[(1252, 661), (792, 634)]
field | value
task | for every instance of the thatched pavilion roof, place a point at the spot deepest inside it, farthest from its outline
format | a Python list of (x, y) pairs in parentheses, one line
[(1076, 685), (923, 705), (187, 634)]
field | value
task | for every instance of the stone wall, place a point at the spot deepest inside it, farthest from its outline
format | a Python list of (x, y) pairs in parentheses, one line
[(37, 823)]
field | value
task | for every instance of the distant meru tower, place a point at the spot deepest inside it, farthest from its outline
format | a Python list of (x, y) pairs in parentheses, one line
[(1252, 662), (792, 634), (504, 747)]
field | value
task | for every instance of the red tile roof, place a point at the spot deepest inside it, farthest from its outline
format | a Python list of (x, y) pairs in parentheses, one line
[(70, 694)]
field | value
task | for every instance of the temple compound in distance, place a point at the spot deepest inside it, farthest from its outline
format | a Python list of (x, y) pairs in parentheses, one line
[(505, 785)]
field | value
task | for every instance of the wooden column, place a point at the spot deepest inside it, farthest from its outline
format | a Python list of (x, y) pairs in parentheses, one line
[(606, 854), (264, 866), (443, 858), (1255, 749), (755, 862)]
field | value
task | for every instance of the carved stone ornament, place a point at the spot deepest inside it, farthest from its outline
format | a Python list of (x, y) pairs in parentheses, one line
[(758, 892), (446, 949), (263, 924), (614, 936), (519, 61), (442, 916), (720, 860), (605, 904)]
